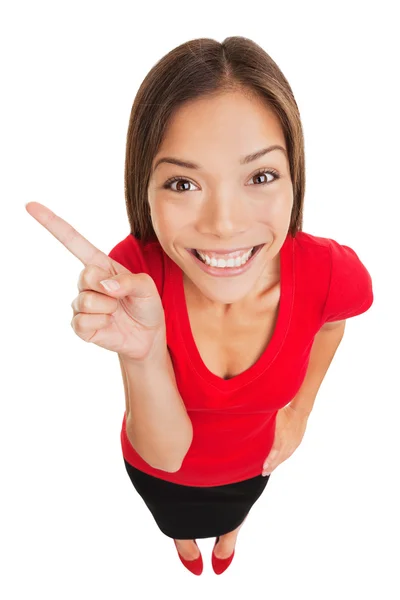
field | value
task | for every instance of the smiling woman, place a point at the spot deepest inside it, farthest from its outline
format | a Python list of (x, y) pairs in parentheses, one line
[(214, 183), (214, 180)]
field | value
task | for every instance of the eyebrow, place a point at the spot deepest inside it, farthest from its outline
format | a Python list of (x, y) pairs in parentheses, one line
[(243, 161)]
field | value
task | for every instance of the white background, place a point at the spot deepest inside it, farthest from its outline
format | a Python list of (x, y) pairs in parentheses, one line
[(72, 525)]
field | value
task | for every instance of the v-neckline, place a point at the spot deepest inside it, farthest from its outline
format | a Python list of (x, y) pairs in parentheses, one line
[(181, 318)]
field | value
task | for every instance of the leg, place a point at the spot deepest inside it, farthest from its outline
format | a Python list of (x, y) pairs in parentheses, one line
[(226, 543), (187, 549)]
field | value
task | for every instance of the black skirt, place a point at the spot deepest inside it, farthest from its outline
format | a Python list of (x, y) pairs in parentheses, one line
[(187, 512)]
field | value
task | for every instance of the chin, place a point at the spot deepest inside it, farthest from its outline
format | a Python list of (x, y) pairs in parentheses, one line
[(223, 296)]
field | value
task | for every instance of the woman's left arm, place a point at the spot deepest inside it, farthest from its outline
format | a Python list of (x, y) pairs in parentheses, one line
[(291, 420)]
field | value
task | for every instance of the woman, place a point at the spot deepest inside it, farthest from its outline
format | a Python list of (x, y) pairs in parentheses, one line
[(228, 314)]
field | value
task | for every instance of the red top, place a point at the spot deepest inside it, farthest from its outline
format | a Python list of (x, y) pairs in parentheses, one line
[(234, 419)]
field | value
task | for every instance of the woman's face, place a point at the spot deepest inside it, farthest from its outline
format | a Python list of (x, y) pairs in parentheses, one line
[(222, 204)]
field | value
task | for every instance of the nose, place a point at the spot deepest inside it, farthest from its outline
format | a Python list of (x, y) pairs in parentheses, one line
[(225, 217)]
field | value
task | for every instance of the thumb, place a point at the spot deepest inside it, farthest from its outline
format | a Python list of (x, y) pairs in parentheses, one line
[(111, 285), (125, 284), (271, 456)]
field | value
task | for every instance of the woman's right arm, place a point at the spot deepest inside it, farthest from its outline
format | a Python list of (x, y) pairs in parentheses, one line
[(131, 322), (157, 423)]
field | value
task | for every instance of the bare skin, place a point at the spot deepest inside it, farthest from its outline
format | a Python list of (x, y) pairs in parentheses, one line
[(224, 548)]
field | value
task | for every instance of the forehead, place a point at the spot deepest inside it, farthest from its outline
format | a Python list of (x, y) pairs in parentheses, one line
[(227, 121)]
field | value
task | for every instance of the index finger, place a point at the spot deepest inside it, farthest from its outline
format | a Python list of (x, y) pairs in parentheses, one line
[(78, 245)]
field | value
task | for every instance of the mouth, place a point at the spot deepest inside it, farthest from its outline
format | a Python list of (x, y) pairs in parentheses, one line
[(197, 255), (225, 271)]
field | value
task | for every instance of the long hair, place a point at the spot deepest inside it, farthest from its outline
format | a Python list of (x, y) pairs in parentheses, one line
[(199, 68)]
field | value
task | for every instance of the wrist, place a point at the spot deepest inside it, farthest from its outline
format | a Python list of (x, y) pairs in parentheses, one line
[(156, 356)]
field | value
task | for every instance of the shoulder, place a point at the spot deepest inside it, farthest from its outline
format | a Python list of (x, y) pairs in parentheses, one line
[(339, 271), (340, 260), (312, 247)]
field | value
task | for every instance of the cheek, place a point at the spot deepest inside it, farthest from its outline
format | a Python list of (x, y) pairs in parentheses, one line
[(159, 215), (166, 226), (276, 207), (170, 219)]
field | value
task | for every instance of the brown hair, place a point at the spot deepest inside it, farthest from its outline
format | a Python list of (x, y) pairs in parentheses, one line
[(197, 68)]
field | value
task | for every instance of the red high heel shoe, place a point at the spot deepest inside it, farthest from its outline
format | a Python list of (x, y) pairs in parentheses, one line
[(220, 564), (195, 566)]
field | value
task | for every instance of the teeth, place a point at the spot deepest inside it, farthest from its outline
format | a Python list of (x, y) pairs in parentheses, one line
[(223, 263)]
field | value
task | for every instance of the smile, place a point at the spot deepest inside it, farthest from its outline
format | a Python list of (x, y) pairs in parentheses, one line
[(225, 267)]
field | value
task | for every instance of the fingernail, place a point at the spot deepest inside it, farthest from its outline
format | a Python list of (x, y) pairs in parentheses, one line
[(110, 285)]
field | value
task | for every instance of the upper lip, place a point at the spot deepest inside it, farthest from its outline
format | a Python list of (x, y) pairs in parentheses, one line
[(226, 251)]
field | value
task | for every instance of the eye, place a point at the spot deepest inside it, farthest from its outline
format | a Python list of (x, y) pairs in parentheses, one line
[(266, 171), (169, 182), (167, 185)]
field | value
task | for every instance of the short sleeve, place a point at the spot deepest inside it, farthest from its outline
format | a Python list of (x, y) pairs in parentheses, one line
[(350, 291)]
